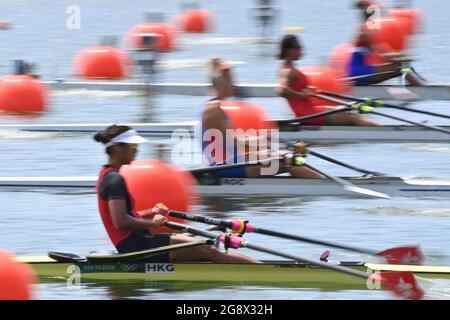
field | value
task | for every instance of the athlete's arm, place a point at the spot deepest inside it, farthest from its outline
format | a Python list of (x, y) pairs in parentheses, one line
[(285, 80)]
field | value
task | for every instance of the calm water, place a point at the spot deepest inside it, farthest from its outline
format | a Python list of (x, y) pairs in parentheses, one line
[(33, 223)]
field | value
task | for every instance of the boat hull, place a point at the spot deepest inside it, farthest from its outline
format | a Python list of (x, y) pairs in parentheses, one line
[(276, 186), (321, 134)]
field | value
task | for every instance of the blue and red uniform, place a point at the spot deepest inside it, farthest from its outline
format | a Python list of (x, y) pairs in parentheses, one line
[(360, 64), (224, 154)]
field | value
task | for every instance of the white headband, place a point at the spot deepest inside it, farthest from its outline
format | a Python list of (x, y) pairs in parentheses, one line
[(130, 136)]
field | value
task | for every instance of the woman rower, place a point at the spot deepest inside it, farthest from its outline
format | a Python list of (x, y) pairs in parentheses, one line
[(214, 117), (125, 226), (293, 85), (363, 58)]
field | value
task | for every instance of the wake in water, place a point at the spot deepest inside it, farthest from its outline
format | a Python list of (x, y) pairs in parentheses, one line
[(435, 289), (17, 134), (102, 94), (398, 211), (429, 148), (230, 41), (191, 63)]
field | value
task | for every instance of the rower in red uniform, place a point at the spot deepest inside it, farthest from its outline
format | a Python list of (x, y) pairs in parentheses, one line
[(215, 118), (293, 85), (125, 226)]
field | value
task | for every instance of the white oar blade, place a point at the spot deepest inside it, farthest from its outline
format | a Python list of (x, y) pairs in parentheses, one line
[(367, 192)]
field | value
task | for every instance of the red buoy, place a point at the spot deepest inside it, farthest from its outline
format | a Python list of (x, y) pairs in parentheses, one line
[(326, 79), (152, 35), (16, 278), (22, 94), (5, 25), (414, 18), (102, 62), (388, 34), (195, 21), (151, 182), (340, 56), (246, 115)]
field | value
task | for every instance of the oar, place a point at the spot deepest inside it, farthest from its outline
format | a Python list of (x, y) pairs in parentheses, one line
[(224, 167), (340, 163), (368, 109), (402, 284), (313, 116), (349, 186), (397, 255), (363, 76), (379, 103), (297, 161)]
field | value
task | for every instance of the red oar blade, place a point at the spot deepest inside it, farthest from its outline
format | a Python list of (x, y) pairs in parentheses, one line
[(402, 255), (402, 284)]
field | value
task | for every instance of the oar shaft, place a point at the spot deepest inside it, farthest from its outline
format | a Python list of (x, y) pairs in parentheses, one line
[(324, 265), (313, 116), (435, 128), (343, 164), (320, 96), (390, 105), (232, 166), (434, 114), (245, 244), (185, 228), (363, 76), (314, 241), (229, 225), (201, 219)]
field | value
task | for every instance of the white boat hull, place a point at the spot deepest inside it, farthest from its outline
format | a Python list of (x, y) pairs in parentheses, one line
[(276, 186), (324, 134), (430, 92)]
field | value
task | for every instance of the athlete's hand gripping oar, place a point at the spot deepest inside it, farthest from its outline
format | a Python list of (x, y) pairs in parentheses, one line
[(302, 148), (402, 284), (368, 109), (397, 255), (345, 184), (379, 103)]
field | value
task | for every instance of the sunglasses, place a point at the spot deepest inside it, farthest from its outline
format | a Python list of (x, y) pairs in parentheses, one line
[(131, 146)]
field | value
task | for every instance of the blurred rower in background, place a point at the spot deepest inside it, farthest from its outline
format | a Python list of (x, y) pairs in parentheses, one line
[(375, 58)]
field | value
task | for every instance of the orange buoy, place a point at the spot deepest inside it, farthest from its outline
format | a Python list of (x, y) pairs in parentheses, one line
[(246, 115), (22, 94), (151, 182), (326, 79), (16, 278), (195, 21), (414, 16), (152, 35), (102, 62), (5, 25), (387, 34), (340, 58), (341, 55)]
